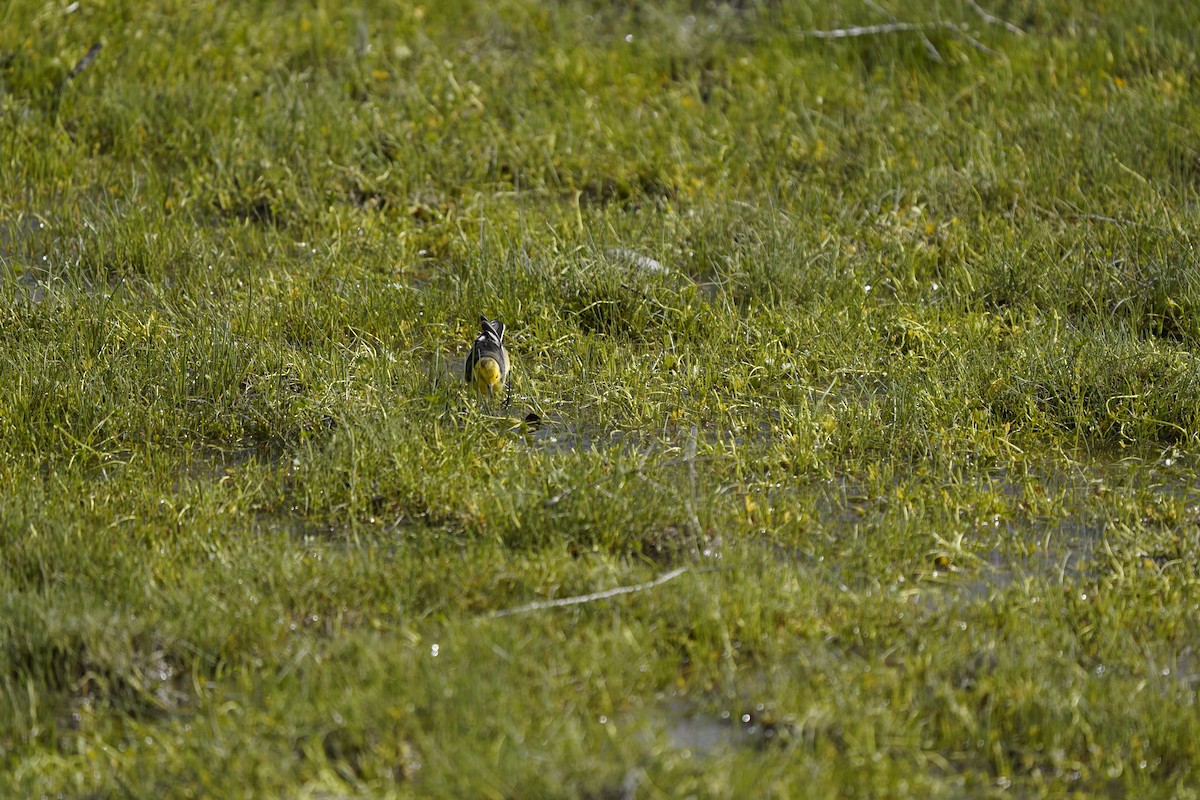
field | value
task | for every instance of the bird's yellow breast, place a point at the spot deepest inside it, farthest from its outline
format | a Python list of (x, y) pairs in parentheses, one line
[(487, 375)]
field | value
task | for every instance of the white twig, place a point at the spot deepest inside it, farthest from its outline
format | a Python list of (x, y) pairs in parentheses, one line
[(872, 30), (978, 45), (993, 19), (589, 598), (902, 27), (929, 48)]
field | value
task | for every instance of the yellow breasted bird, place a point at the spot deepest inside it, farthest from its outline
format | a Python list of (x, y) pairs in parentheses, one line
[(487, 365)]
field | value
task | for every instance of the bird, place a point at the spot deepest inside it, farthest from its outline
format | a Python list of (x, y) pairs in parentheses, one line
[(487, 365)]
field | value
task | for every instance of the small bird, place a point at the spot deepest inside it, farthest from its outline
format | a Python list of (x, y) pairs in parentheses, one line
[(487, 365)]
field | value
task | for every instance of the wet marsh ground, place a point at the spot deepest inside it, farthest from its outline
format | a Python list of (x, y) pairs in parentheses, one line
[(866, 363)]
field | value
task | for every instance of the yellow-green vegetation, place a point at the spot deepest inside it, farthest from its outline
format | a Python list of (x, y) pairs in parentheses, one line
[(886, 339)]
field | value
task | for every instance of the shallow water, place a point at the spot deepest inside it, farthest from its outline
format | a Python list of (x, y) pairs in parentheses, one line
[(687, 726)]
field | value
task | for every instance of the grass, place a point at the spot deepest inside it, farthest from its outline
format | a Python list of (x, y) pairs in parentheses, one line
[(913, 402)]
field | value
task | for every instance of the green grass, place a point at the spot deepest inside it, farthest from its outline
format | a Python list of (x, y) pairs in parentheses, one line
[(914, 403)]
